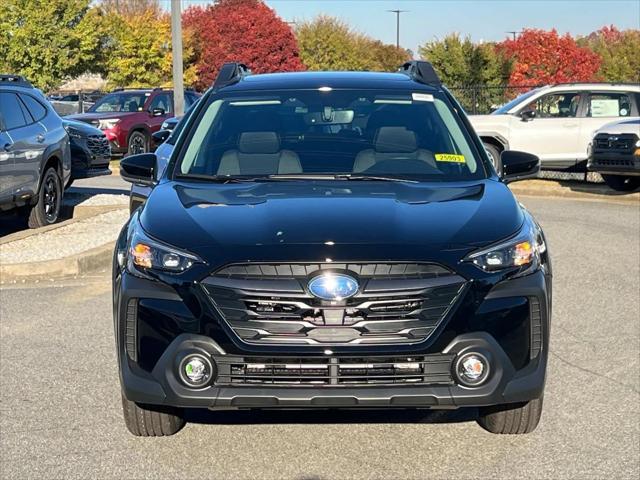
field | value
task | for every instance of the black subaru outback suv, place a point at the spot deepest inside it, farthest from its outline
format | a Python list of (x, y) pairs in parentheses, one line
[(331, 240)]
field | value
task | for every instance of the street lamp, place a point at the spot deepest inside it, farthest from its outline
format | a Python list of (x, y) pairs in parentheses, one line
[(397, 12)]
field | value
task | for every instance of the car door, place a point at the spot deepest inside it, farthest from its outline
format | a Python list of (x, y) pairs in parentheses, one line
[(603, 107), (553, 131), (16, 142), (164, 101), (6, 163)]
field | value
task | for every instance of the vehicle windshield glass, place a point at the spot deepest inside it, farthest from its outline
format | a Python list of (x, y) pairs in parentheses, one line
[(120, 102), (409, 135), (508, 106)]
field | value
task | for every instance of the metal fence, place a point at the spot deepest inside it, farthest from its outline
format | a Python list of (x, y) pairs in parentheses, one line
[(483, 99), (69, 102)]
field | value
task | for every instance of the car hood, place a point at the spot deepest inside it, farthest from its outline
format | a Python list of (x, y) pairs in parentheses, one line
[(253, 216), (624, 126), (90, 116), (82, 127)]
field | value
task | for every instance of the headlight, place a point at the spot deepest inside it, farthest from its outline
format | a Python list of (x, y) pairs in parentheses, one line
[(522, 251), (107, 123), (73, 132), (145, 253)]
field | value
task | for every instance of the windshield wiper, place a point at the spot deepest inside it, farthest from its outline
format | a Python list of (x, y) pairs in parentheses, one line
[(213, 178), (376, 178)]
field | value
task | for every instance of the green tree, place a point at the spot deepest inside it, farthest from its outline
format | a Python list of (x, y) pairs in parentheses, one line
[(49, 41), (464, 66), (619, 51), (327, 43)]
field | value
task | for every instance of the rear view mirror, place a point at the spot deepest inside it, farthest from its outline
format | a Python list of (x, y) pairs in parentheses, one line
[(528, 115), (160, 136), (139, 169), (157, 112), (518, 166)]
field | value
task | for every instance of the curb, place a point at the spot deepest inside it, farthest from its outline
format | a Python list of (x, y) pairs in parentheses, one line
[(91, 261), (567, 193)]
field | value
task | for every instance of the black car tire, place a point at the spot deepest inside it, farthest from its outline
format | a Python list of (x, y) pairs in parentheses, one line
[(47, 210), (494, 156), (147, 421), (621, 183), (138, 143), (513, 418)]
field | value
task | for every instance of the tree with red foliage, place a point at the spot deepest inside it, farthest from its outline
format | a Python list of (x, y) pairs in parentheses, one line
[(241, 30), (542, 57)]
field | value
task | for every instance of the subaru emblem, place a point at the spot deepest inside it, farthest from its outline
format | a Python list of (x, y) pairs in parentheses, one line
[(333, 286)]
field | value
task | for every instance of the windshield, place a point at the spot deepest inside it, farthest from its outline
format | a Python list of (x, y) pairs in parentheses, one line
[(341, 132), (508, 106), (120, 102)]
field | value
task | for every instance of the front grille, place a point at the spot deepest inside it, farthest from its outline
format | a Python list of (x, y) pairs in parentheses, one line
[(622, 143), (98, 145), (396, 303), (614, 162), (332, 371)]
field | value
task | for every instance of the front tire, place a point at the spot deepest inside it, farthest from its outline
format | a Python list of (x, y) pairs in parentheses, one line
[(47, 210), (147, 421), (494, 156), (511, 419), (620, 183), (138, 143)]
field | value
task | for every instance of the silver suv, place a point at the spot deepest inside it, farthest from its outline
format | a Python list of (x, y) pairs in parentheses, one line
[(556, 123), (35, 156)]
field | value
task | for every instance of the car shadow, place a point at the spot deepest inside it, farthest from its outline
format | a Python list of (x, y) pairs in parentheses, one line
[(329, 416), (90, 191)]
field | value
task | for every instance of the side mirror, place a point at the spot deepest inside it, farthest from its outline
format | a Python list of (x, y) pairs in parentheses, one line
[(160, 136), (528, 115), (518, 166), (157, 112), (139, 169)]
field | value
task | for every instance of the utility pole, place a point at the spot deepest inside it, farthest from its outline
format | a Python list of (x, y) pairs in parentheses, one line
[(176, 50), (514, 33), (397, 12)]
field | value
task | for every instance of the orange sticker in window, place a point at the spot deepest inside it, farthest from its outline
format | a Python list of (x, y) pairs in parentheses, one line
[(449, 157)]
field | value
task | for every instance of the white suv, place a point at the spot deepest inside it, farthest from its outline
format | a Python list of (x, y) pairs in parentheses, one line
[(557, 122)]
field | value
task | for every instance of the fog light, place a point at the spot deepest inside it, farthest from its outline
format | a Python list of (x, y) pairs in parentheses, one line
[(195, 370), (472, 369)]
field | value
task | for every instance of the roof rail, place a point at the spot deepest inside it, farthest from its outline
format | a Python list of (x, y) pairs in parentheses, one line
[(231, 73), (421, 71), (17, 80)]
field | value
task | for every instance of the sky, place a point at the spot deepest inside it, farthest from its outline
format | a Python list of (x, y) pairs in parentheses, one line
[(481, 20)]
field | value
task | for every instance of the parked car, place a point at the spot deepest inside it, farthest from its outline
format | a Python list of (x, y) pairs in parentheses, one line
[(129, 117), (328, 240), (615, 154), (165, 139), (35, 157), (90, 151), (556, 122), (74, 103)]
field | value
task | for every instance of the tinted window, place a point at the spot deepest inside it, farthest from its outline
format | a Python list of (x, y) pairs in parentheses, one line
[(120, 102), (36, 109), (612, 104), (516, 101), (163, 101), (369, 132), (11, 110)]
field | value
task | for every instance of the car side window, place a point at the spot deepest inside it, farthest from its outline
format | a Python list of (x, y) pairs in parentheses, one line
[(556, 105), (163, 101), (37, 111), (12, 111), (609, 104)]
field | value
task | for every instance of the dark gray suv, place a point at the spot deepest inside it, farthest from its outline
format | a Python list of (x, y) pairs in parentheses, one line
[(35, 157)]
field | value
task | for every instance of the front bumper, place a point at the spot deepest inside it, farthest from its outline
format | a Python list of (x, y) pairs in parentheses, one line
[(515, 375), (89, 159), (614, 163)]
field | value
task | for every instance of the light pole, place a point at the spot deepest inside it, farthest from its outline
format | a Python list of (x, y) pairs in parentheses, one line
[(514, 33), (176, 47), (397, 12)]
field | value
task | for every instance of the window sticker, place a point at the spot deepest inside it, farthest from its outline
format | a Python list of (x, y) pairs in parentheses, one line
[(422, 97), (449, 157), (604, 107)]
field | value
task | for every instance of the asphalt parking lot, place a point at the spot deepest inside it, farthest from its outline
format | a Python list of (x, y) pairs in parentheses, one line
[(60, 414)]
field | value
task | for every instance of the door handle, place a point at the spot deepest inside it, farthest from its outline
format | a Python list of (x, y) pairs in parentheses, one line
[(40, 138), (570, 124)]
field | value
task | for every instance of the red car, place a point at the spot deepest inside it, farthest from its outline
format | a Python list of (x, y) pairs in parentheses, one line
[(129, 117)]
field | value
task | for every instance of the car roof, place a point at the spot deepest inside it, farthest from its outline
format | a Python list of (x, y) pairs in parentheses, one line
[(635, 87), (338, 80)]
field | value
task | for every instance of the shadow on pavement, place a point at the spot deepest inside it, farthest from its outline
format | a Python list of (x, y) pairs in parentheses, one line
[(90, 191), (329, 416)]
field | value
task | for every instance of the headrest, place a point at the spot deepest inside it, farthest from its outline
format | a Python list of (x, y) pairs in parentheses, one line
[(259, 142), (395, 140)]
